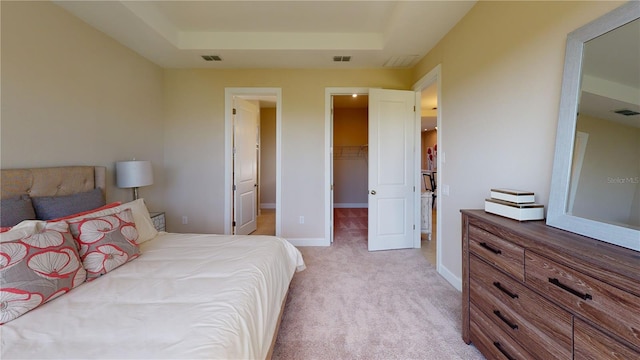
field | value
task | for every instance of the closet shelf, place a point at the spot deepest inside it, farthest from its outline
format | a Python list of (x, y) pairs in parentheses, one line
[(350, 152)]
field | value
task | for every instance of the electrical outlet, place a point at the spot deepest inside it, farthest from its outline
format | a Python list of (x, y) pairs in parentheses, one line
[(301, 219), (185, 220)]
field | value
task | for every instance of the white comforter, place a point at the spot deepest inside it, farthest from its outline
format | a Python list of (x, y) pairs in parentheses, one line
[(186, 296)]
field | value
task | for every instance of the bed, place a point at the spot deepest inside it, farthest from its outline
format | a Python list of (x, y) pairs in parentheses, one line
[(176, 295)]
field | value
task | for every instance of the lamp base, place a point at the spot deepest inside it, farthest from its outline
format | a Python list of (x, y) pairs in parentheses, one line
[(135, 193)]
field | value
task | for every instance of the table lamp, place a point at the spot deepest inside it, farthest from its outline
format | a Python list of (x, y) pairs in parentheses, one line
[(134, 174)]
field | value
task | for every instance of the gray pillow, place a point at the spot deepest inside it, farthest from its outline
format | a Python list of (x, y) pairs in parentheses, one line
[(14, 210), (53, 207)]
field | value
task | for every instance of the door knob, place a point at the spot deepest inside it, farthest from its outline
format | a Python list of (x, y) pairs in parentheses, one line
[(373, 192)]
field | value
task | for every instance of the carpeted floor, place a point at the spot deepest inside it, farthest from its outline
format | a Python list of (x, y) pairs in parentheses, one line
[(354, 304)]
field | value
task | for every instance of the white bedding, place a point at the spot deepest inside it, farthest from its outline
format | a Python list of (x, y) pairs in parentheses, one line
[(186, 296)]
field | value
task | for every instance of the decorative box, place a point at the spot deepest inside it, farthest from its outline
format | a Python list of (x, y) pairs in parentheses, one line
[(514, 196), (520, 212)]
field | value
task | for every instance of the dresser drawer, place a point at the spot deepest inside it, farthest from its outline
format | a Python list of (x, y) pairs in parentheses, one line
[(537, 324), (504, 255), (590, 343), (612, 309), (491, 341)]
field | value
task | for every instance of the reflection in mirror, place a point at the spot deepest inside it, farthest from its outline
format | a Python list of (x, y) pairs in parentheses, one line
[(595, 185), (605, 176)]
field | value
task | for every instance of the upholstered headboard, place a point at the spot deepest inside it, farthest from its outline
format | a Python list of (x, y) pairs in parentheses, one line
[(52, 181)]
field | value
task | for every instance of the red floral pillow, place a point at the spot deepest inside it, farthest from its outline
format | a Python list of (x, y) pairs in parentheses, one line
[(39, 261), (106, 242)]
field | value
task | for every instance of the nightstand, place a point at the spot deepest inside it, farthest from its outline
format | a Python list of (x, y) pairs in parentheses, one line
[(158, 220)]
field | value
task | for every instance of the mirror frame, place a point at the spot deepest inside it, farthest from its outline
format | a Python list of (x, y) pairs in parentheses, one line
[(565, 137)]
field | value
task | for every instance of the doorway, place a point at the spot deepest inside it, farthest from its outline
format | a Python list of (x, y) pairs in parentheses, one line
[(267, 170), (431, 119), (429, 169), (267, 157), (391, 167), (350, 167)]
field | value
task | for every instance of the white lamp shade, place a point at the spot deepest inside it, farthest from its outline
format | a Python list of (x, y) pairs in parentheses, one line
[(134, 173)]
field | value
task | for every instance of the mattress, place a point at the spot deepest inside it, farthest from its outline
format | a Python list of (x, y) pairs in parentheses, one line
[(188, 296)]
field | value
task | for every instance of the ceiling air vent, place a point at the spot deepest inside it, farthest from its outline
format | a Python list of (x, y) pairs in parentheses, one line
[(626, 112), (342, 58), (401, 61), (212, 58)]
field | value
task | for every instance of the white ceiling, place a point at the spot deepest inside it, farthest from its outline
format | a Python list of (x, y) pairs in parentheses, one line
[(308, 34), (274, 34), (279, 34)]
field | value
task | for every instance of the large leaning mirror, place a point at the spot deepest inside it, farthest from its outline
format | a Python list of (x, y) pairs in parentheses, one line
[(595, 186)]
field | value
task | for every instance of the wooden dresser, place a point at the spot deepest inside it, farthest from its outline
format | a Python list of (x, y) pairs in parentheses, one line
[(530, 291)]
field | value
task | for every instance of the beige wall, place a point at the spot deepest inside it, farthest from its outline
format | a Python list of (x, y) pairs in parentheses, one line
[(501, 75), (194, 141), (73, 96), (350, 168), (268, 157)]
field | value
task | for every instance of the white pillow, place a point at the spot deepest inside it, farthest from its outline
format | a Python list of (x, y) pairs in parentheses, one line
[(144, 225), (146, 230), (22, 229)]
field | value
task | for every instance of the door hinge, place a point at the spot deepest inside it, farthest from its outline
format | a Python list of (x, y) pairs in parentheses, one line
[(234, 111), (234, 224), (234, 188), (414, 108), (414, 226)]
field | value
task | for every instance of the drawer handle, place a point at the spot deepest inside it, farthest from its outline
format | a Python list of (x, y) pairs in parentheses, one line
[(503, 351), (499, 286), (490, 248), (577, 293), (506, 321)]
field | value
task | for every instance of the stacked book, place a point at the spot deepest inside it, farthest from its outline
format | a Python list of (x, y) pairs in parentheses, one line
[(515, 204)]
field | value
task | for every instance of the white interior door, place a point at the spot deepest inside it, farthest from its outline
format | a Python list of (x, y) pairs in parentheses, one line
[(245, 162), (391, 169)]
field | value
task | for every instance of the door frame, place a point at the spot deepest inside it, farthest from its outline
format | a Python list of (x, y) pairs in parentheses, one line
[(328, 159), (229, 93), (433, 77), (328, 153)]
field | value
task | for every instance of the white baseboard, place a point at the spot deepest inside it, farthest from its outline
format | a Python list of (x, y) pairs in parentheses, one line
[(455, 281), (267, 205), (350, 205), (308, 242)]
